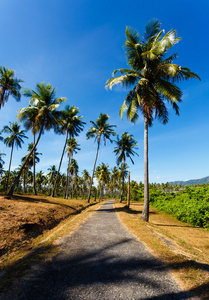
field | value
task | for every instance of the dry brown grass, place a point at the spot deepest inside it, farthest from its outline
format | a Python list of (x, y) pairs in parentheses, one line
[(25, 220), (21, 260), (183, 248)]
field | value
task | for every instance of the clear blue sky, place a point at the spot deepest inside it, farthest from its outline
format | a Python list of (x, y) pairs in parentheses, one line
[(76, 45)]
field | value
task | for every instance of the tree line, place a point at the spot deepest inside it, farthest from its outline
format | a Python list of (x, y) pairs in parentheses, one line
[(151, 82)]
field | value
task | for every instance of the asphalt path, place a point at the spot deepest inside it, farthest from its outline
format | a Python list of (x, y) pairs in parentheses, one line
[(101, 260)]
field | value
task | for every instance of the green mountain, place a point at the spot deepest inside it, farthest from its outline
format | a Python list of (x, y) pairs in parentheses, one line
[(192, 181)]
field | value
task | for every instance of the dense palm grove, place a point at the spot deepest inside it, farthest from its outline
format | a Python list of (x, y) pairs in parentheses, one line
[(151, 79)]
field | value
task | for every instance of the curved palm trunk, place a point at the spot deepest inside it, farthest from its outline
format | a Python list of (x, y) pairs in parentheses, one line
[(92, 177), (145, 212), (63, 152), (10, 162), (11, 191), (34, 167)]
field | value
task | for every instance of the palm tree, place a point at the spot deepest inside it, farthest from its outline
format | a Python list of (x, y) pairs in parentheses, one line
[(99, 129), (32, 161), (40, 178), (153, 78), (86, 180), (9, 85), (51, 175), (72, 147), (72, 125), (15, 138), (43, 105), (103, 176), (124, 149), (73, 170)]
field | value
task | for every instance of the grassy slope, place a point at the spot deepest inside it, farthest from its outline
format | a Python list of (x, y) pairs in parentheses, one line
[(26, 219), (183, 248)]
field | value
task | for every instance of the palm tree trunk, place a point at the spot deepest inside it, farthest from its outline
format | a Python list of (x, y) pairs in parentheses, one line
[(128, 195), (122, 192), (11, 191), (34, 166), (67, 181), (145, 212), (92, 177), (63, 152), (10, 162)]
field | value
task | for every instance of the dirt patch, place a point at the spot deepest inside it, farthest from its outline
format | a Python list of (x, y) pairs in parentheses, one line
[(25, 218)]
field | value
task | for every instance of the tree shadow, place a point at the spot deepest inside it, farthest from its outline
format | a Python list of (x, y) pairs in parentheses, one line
[(92, 274), (131, 211)]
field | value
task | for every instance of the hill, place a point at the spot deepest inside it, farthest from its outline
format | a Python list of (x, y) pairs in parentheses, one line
[(203, 180)]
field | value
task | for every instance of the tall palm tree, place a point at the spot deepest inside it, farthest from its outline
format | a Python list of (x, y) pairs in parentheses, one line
[(15, 138), (99, 129), (72, 125), (9, 85), (44, 105), (72, 147), (123, 150), (153, 77), (86, 180)]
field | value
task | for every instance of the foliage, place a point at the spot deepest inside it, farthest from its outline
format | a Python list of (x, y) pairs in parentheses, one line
[(190, 205)]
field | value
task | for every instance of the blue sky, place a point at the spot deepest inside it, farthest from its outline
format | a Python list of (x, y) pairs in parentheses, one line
[(76, 45)]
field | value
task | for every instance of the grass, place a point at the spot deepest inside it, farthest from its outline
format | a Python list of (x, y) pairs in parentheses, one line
[(183, 248), (44, 246)]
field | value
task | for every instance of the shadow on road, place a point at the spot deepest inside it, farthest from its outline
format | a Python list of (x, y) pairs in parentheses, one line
[(74, 277)]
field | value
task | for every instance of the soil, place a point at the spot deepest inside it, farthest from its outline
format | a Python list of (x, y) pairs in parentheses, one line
[(24, 218)]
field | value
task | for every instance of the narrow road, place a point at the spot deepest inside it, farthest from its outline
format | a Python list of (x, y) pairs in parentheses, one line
[(101, 260)]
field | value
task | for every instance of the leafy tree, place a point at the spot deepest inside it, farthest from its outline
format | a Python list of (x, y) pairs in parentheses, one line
[(125, 148), (15, 138), (72, 125), (153, 77), (43, 105), (99, 129), (9, 85)]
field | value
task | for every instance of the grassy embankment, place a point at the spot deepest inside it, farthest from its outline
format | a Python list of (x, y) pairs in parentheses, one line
[(183, 248), (30, 229)]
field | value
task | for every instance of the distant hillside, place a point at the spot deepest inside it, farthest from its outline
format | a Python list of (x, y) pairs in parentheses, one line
[(192, 181)]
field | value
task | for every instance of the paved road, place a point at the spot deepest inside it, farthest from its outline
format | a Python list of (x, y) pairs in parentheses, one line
[(101, 260)]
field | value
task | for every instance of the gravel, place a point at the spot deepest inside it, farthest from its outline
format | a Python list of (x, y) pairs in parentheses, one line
[(101, 260)]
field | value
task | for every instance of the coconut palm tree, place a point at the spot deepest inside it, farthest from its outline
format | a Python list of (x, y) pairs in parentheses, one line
[(72, 125), (33, 160), (31, 124), (72, 147), (123, 150), (40, 178), (99, 129), (152, 75), (86, 180), (73, 170), (103, 176), (9, 85), (44, 105), (15, 138)]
